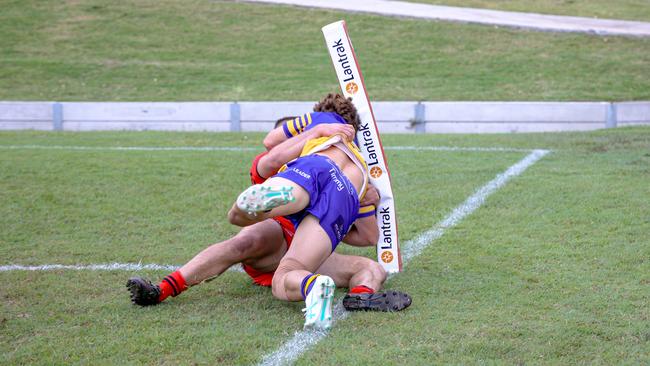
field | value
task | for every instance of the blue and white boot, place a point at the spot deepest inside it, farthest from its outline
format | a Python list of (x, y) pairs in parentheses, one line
[(318, 310), (259, 198)]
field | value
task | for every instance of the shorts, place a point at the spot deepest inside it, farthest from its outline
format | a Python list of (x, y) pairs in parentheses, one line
[(266, 278), (333, 199)]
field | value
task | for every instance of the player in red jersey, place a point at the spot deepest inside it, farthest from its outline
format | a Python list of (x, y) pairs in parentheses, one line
[(261, 246)]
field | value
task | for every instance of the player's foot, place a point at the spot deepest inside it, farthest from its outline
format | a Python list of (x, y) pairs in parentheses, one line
[(143, 292), (318, 311), (259, 198), (389, 300)]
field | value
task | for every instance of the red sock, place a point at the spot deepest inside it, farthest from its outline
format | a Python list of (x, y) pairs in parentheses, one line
[(361, 289), (172, 285)]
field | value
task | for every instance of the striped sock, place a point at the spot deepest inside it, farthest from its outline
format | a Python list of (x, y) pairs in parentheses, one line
[(307, 284), (172, 285)]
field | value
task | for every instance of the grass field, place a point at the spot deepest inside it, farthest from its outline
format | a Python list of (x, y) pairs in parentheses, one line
[(164, 50), (619, 9), (552, 269)]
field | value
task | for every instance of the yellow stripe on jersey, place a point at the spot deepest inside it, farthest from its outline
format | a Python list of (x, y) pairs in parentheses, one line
[(291, 127), (308, 119), (302, 124)]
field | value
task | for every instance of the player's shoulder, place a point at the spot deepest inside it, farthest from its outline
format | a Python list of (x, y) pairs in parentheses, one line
[(326, 117)]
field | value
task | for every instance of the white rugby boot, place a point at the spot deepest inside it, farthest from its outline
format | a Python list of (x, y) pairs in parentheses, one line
[(318, 310), (258, 198)]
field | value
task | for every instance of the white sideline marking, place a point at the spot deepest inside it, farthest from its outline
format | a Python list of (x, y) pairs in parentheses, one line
[(290, 351), (130, 148), (241, 148), (101, 267)]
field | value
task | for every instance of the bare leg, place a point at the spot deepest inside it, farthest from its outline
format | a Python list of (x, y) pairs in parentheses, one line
[(310, 248), (351, 270), (261, 246)]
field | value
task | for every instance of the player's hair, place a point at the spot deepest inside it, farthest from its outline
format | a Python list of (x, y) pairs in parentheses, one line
[(340, 105), (282, 120)]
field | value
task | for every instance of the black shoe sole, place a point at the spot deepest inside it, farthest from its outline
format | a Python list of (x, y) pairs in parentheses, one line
[(143, 293), (387, 301)]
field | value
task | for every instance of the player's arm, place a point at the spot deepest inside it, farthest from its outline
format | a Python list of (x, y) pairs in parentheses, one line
[(290, 149), (365, 231), (274, 138), (285, 129)]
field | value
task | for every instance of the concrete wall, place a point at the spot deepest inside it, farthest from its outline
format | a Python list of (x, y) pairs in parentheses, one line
[(392, 117)]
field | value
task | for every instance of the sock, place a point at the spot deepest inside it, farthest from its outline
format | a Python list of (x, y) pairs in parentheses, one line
[(307, 284), (172, 285), (361, 289)]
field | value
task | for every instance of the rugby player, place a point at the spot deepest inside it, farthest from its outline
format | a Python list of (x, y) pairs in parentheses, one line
[(260, 247), (321, 193)]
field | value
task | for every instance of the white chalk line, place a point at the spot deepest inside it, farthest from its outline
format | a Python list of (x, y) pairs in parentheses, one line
[(132, 267), (241, 148), (290, 351)]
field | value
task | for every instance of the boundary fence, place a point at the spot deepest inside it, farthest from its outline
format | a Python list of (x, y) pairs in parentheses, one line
[(392, 117)]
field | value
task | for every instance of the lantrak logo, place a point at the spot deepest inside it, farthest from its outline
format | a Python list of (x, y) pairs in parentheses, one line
[(387, 256), (386, 228), (352, 87), (343, 61), (368, 143), (375, 172)]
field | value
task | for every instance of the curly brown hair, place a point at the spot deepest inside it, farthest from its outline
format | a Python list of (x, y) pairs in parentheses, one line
[(340, 105)]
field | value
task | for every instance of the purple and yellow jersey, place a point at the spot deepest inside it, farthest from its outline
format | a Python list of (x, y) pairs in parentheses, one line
[(303, 123)]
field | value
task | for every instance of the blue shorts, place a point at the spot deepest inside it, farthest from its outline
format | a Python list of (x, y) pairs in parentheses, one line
[(333, 199)]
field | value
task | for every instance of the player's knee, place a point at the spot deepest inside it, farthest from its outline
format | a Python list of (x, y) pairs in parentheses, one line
[(278, 284), (247, 243), (377, 271)]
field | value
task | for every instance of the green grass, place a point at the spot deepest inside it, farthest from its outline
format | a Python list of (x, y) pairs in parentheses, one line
[(212, 50), (552, 269), (620, 9)]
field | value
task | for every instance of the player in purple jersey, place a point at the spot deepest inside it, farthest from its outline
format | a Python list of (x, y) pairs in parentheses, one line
[(261, 246), (321, 191)]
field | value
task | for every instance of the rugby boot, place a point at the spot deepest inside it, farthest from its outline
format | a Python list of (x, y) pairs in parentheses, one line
[(318, 310), (258, 198), (389, 300), (143, 292)]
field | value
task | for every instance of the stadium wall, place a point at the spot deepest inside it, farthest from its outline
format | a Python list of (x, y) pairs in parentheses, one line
[(392, 117)]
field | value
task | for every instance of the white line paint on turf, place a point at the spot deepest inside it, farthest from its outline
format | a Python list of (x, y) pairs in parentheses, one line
[(133, 267), (130, 148), (241, 148), (290, 351)]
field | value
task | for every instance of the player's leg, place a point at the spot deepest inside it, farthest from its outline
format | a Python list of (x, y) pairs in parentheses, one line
[(260, 246), (364, 277), (310, 247), (295, 278), (352, 271)]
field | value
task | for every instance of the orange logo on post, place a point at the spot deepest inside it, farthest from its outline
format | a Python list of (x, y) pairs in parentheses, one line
[(375, 172), (387, 256), (351, 87)]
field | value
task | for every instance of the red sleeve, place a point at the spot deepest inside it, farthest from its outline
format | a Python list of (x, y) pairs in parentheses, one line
[(256, 178)]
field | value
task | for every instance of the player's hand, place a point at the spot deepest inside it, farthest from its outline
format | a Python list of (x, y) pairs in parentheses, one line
[(372, 196), (331, 129)]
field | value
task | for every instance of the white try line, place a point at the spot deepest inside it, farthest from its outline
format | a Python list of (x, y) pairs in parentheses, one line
[(131, 267), (241, 148), (290, 351)]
